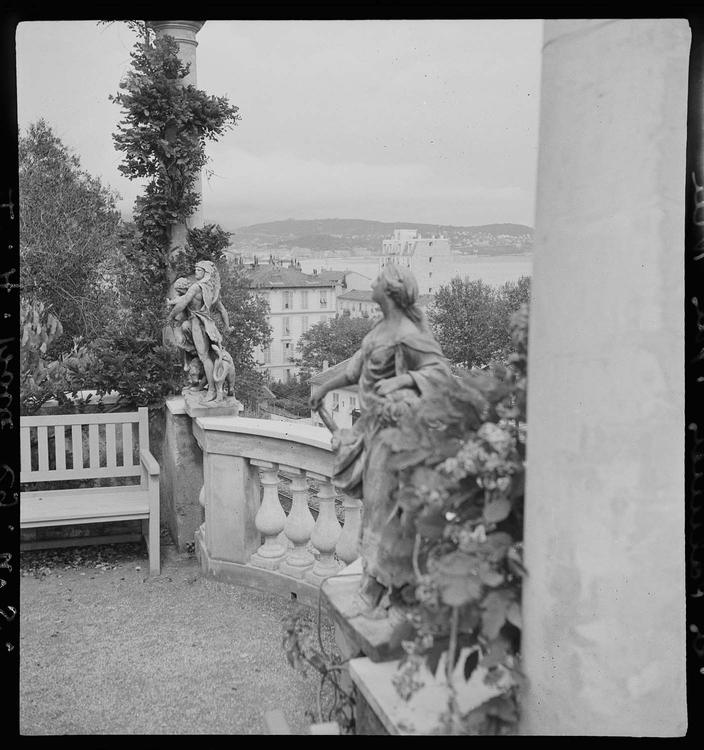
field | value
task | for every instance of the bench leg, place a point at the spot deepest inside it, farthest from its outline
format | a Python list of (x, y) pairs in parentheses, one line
[(150, 531), (154, 547)]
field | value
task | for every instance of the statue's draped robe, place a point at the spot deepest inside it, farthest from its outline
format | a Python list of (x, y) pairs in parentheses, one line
[(362, 461)]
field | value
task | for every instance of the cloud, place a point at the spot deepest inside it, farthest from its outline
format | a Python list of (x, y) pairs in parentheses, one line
[(248, 188)]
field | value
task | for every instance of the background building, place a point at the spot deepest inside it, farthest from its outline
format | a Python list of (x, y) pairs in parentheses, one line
[(357, 302), (297, 301), (421, 254)]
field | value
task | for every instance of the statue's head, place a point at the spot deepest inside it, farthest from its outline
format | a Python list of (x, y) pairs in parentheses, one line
[(205, 268), (181, 285), (208, 277), (398, 283)]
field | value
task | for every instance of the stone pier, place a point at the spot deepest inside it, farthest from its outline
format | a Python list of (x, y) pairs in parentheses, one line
[(604, 601)]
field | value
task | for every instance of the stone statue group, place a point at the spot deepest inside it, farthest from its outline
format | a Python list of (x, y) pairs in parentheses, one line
[(208, 364)]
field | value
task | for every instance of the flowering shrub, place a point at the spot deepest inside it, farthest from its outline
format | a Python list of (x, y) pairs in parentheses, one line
[(461, 458)]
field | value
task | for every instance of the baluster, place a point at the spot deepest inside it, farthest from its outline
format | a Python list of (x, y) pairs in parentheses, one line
[(325, 534), (298, 528), (270, 519), (348, 544)]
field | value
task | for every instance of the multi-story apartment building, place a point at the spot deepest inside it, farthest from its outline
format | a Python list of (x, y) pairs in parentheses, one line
[(421, 254), (297, 301)]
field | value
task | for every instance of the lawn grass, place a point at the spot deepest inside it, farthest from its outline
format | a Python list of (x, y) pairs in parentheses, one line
[(105, 649)]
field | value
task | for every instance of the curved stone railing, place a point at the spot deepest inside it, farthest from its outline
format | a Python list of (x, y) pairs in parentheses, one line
[(247, 537)]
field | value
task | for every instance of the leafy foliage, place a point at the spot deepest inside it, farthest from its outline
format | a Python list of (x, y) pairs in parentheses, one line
[(293, 395), (461, 460), (471, 319), (43, 376), (68, 226), (333, 340), (163, 135), (304, 650)]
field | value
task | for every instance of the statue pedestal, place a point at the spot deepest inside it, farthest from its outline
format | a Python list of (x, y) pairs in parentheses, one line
[(356, 633), (196, 406)]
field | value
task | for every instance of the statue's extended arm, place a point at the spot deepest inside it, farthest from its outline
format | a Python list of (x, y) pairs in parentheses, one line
[(384, 387), (318, 394), (180, 304)]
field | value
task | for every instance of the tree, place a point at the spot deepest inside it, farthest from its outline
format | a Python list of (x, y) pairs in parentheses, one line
[(332, 340), (68, 233), (471, 319)]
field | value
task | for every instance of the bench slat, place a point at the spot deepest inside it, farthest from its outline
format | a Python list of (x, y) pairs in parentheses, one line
[(43, 447), (77, 446), (127, 457), (116, 417), (25, 450), (46, 510), (110, 447), (60, 446), (143, 428), (87, 473), (93, 447)]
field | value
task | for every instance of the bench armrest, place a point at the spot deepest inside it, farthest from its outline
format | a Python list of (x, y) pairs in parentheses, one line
[(149, 462)]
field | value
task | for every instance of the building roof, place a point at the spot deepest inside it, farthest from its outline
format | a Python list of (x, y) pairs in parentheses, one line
[(271, 277), (357, 295), (332, 275), (325, 375)]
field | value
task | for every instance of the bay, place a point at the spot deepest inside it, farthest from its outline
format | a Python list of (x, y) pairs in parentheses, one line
[(493, 270)]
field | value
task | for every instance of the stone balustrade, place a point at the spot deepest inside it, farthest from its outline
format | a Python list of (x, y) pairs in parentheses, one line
[(247, 537)]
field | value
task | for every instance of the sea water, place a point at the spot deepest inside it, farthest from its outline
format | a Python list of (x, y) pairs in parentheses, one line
[(493, 270)]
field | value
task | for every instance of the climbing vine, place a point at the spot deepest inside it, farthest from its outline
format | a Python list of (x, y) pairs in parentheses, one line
[(162, 136)]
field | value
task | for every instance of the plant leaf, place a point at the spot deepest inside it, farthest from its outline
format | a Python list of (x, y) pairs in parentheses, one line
[(497, 510), (470, 663)]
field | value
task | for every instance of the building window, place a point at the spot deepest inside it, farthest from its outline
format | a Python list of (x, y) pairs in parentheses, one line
[(430, 259), (335, 401), (304, 300), (288, 352), (430, 274), (323, 299), (304, 323), (288, 300), (267, 355), (288, 375), (353, 402), (287, 327)]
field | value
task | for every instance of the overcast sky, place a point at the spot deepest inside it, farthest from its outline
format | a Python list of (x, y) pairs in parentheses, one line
[(425, 121)]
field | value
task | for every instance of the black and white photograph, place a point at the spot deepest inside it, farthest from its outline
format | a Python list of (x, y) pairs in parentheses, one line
[(353, 380)]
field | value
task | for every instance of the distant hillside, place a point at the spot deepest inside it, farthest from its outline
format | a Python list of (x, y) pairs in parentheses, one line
[(302, 227), (347, 237)]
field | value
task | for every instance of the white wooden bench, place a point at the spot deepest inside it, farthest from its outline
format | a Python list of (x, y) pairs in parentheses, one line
[(122, 450)]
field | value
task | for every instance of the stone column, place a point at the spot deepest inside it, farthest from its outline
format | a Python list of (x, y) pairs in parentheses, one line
[(184, 33), (604, 600)]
